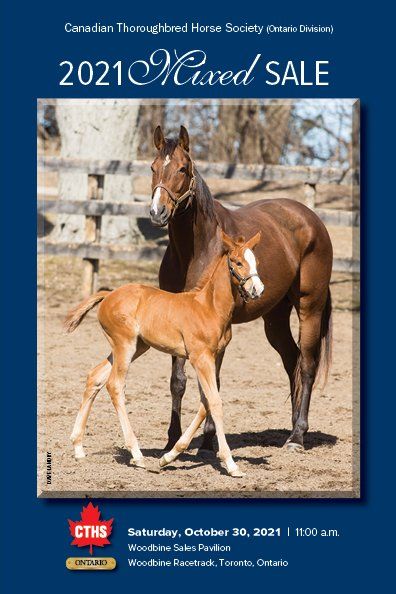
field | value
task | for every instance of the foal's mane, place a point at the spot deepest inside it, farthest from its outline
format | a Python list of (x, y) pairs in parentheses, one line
[(203, 196)]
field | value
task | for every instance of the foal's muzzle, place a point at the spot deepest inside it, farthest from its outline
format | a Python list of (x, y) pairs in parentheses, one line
[(254, 287)]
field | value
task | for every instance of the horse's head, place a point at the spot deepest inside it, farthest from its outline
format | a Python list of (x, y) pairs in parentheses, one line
[(173, 179), (242, 264)]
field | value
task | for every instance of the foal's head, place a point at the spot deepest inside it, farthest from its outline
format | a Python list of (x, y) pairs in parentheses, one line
[(173, 176), (243, 265)]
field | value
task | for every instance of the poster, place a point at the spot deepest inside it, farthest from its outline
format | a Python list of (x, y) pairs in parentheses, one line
[(210, 267)]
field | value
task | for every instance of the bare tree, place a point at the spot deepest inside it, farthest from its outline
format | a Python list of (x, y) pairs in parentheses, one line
[(251, 132), (151, 115)]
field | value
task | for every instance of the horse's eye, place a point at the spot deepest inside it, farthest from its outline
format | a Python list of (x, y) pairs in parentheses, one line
[(239, 264), (182, 170), (152, 169)]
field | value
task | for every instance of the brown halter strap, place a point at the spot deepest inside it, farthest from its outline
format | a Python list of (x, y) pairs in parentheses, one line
[(177, 200)]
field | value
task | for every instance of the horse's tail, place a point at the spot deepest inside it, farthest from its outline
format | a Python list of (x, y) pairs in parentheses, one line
[(76, 315), (325, 352)]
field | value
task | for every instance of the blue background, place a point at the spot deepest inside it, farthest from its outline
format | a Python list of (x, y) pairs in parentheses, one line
[(34, 532)]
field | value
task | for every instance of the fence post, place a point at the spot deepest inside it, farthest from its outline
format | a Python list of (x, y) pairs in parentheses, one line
[(310, 195), (92, 234)]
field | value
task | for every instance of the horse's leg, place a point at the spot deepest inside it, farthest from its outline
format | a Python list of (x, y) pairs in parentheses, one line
[(310, 342), (184, 441), (209, 428), (116, 388), (205, 367), (177, 387), (277, 330), (96, 379)]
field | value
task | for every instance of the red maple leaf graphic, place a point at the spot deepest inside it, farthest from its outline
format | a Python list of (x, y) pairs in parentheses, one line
[(90, 530)]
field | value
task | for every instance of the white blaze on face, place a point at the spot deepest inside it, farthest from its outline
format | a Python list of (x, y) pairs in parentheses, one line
[(256, 282), (157, 193), (156, 199)]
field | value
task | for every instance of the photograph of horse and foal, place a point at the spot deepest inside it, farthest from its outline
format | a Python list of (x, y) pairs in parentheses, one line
[(225, 236)]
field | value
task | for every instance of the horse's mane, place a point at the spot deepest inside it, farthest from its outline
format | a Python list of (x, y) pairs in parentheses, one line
[(203, 196)]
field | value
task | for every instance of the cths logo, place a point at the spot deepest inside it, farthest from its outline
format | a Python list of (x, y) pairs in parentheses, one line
[(90, 531)]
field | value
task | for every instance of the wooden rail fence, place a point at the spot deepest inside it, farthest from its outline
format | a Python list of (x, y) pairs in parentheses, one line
[(94, 207)]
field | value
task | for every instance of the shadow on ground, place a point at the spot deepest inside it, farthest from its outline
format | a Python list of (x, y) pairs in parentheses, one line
[(268, 438)]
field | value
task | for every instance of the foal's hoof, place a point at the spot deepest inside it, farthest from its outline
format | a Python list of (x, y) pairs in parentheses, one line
[(164, 461), (237, 473), (79, 454), (140, 463), (291, 446)]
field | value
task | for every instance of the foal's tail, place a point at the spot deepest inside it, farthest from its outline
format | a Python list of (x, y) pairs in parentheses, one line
[(325, 352), (76, 315)]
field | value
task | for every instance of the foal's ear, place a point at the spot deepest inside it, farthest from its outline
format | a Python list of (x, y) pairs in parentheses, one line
[(228, 243), (184, 139), (159, 139), (253, 241)]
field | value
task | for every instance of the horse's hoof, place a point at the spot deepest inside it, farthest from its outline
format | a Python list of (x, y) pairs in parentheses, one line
[(294, 447), (138, 463), (163, 461), (237, 473)]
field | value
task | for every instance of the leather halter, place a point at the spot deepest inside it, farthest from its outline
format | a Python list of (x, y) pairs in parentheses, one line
[(177, 200), (242, 280)]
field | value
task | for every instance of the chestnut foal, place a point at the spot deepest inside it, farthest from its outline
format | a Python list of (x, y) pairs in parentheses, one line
[(195, 325)]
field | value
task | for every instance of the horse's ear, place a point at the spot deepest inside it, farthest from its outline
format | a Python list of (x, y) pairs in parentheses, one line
[(228, 243), (184, 139), (253, 241), (159, 139)]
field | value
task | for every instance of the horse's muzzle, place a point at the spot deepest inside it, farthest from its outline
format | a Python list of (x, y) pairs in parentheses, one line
[(161, 218)]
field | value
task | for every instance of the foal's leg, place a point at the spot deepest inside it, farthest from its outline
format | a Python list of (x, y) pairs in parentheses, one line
[(177, 387), (95, 382), (209, 428), (277, 330), (205, 367), (116, 386), (184, 441)]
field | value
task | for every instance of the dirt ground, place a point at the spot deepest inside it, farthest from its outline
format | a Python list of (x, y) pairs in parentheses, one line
[(255, 396)]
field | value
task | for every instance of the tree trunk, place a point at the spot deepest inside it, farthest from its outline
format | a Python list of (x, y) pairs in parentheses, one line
[(277, 116), (97, 129)]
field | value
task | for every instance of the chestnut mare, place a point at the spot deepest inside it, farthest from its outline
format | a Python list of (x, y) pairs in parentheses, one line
[(195, 325), (295, 254)]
